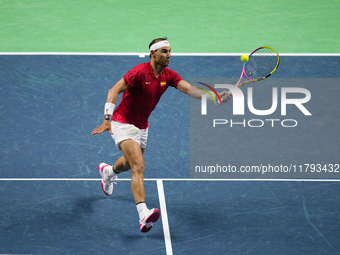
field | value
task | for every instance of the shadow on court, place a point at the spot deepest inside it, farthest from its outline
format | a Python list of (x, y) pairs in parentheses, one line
[(68, 221)]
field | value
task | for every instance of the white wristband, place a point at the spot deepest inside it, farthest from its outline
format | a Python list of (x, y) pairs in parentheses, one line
[(109, 108)]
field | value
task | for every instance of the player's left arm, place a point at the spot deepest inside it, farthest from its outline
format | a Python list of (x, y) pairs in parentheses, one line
[(197, 93)]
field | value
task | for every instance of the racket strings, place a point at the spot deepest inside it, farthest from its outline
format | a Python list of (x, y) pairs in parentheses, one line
[(261, 63)]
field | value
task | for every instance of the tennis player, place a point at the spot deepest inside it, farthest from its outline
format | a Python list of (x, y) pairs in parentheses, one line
[(142, 87)]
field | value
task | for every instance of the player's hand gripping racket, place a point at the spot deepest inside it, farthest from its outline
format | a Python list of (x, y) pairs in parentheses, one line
[(262, 63)]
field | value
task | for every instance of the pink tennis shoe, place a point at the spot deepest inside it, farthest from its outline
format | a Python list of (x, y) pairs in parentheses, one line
[(107, 182), (148, 219)]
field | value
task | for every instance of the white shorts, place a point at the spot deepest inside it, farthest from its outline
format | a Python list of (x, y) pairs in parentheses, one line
[(124, 131)]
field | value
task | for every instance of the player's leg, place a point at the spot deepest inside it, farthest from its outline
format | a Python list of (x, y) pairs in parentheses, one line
[(109, 173), (132, 158), (120, 133), (122, 165), (134, 155), (132, 142)]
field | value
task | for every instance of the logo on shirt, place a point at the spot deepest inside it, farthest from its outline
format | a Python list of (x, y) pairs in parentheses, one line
[(148, 82), (163, 83)]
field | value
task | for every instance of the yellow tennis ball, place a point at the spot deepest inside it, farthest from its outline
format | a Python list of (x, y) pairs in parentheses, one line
[(244, 58)]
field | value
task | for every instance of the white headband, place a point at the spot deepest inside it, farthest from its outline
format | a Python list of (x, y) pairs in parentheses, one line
[(158, 45)]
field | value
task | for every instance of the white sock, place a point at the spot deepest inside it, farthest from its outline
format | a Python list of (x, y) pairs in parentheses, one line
[(141, 207), (110, 173)]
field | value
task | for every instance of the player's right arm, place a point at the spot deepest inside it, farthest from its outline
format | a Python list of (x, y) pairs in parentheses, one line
[(112, 95), (197, 93)]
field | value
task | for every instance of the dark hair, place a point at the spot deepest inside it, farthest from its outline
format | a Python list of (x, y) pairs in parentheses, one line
[(155, 41)]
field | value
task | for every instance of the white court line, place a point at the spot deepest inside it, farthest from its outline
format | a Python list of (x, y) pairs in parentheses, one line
[(164, 214)]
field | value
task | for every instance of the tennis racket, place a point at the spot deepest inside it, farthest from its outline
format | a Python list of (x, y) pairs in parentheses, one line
[(262, 63)]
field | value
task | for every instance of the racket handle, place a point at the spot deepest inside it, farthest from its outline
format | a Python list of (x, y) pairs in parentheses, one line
[(225, 98)]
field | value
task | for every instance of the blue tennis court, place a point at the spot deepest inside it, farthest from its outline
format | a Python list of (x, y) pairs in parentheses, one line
[(51, 198)]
